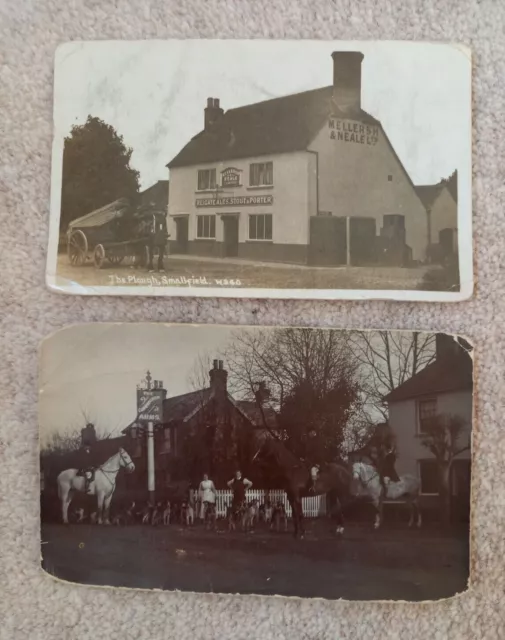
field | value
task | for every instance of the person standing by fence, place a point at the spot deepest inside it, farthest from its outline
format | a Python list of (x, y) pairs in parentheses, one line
[(206, 495), (239, 486)]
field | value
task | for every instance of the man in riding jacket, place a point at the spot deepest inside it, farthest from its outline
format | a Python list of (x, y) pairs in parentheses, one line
[(86, 469), (383, 457), (239, 486)]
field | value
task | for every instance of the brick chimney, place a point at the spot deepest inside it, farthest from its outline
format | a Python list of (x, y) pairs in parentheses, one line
[(212, 113), (218, 376), (88, 435), (448, 347), (347, 79)]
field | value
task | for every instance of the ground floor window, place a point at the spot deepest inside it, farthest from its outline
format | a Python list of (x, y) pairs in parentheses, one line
[(428, 472), (260, 226), (206, 227)]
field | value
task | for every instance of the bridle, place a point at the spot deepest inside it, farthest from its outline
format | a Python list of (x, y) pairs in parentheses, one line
[(108, 472)]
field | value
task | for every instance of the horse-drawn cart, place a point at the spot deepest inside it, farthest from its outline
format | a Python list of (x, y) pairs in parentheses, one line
[(110, 235)]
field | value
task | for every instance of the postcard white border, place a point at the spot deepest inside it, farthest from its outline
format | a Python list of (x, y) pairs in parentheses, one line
[(466, 271)]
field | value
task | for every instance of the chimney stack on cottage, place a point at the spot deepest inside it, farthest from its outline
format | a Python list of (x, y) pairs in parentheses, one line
[(212, 113), (347, 79), (218, 376)]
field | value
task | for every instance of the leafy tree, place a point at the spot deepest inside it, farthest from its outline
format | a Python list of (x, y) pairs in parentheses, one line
[(446, 437), (96, 170)]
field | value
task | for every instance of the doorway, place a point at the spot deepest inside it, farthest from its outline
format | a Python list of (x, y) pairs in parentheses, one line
[(181, 235), (328, 241), (230, 235)]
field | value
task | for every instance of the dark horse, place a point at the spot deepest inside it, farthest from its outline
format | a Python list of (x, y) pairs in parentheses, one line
[(293, 476)]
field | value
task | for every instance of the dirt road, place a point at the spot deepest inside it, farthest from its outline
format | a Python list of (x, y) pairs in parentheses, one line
[(394, 563)]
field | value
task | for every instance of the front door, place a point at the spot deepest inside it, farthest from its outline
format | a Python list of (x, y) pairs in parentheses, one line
[(181, 235), (230, 236)]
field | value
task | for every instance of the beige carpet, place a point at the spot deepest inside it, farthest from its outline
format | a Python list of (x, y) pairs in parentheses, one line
[(33, 605)]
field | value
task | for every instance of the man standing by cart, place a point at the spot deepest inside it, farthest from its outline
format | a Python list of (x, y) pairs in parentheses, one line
[(157, 236)]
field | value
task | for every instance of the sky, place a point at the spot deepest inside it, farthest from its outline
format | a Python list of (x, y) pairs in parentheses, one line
[(91, 372), (154, 93)]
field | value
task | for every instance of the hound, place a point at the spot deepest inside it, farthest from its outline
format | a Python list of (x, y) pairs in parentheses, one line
[(166, 513), (157, 516), (250, 515), (279, 516), (210, 516)]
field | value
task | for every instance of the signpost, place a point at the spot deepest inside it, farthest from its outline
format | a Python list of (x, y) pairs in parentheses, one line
[(150, 411)]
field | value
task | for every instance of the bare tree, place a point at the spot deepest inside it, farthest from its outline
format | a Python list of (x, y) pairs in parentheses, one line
[(386, 359), (309, 375), (446, 437)]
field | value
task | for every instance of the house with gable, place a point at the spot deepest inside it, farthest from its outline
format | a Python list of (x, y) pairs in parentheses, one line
[(309, 178), (444, 387)]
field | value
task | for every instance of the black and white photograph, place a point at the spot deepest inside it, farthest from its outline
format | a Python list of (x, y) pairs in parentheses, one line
[(293, 169), (306, 462)]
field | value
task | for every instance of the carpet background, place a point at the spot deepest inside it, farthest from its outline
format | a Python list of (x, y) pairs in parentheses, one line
[(32, 605)]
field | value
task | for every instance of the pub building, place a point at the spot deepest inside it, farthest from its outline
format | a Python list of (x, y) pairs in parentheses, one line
[(308, 178)]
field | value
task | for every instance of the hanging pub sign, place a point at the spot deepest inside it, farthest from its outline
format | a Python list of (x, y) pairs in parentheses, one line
[(150, 405), (230, 177), (356, 132), (239, 201)]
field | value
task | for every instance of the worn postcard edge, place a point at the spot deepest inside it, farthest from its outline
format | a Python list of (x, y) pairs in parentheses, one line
[(465, 233), (170, 592)]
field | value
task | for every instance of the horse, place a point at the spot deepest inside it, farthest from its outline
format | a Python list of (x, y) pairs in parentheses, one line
[(407, 488), (293, 476), (102, 486)]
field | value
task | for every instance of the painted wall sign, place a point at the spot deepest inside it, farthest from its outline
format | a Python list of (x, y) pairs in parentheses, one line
[(239, 201), (356, 132), (150, 405), (230, 177)]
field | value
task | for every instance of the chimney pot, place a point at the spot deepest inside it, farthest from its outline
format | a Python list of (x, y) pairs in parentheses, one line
[(216, 103), (347, 79), (220, 364), (210, 102), (215, 364)]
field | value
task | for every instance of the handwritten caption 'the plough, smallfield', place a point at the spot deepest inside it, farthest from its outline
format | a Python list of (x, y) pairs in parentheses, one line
[(172, 281)]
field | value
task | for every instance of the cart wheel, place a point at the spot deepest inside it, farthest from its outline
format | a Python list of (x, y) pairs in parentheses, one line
[(115, 259), (77, 248), (99, 256)]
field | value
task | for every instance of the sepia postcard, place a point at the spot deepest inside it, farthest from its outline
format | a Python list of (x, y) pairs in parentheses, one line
[(286, 169), (274, 461)]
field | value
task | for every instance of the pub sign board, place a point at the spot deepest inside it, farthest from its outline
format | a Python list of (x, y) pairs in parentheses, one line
[(238, 201), (150, 405), (230, 177)]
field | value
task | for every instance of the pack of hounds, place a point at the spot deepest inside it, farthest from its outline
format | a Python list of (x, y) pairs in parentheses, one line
[(245, 517)]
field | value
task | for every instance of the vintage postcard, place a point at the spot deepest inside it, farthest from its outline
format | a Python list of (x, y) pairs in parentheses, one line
[(276, 461), (287, 169)]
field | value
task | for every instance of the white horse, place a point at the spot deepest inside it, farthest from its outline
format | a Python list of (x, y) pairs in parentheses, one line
[(102, 486), (407, 488)]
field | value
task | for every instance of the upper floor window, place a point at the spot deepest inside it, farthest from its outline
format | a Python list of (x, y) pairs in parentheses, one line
[(426, 411), (166, 443), (206, 179), (261, 174)]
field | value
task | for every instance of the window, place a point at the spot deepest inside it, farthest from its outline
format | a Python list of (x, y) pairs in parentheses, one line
[(390, 178), (426, 410), (166, 443), (428, 472), (261, 174), (260, 226), (206, 227), (206, 179)]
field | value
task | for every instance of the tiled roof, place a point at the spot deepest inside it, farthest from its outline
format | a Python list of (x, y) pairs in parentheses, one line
[(156, 194), (254, 414), (428, 193), (441, 376), (281, 125), (180, 407)]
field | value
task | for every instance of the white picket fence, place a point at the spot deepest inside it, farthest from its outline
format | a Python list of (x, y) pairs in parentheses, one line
[(313, 506)]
